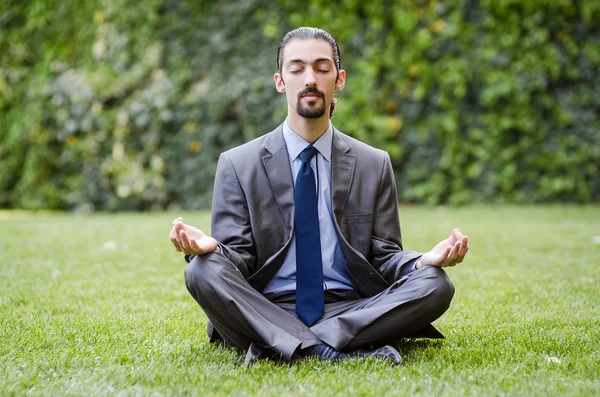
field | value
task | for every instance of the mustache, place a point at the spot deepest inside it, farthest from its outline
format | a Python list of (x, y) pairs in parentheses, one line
[(310, 90)]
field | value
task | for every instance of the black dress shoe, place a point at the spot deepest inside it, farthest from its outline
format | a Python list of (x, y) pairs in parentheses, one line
[(325, 352), (257, 352), (386, 352)]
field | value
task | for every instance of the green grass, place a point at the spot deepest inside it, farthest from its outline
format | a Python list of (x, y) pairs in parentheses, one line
[(96, 305)]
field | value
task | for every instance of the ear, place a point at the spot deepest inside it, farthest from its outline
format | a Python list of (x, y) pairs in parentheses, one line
[(341, 80), (279, 83)]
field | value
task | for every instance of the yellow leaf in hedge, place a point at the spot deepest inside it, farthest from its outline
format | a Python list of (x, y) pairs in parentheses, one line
[(414, 69), (391, 106), (98, 17), (71, 141), (562, 35), (437, 26), (394, 123), (195, 146), (190, 127)]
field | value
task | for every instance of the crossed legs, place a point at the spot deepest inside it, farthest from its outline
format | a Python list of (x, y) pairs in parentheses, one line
[(242, 315)]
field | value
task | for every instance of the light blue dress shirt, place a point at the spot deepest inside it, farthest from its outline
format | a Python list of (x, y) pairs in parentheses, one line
[(335, 270)]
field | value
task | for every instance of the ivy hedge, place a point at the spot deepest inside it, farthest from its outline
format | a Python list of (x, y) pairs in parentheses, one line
[(126, 105)]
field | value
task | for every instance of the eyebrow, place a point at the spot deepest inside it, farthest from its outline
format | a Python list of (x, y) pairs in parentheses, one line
[(315, 61)]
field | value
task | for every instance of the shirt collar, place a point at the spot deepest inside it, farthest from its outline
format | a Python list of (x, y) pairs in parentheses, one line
[(296, 144)]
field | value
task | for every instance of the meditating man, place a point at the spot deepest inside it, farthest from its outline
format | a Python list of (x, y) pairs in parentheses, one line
[(306, 257)]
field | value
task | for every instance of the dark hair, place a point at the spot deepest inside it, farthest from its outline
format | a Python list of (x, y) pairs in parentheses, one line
[(305, 33), (308, 33)]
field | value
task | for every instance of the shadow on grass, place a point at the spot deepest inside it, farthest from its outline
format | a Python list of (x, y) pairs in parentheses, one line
[(417, 346)]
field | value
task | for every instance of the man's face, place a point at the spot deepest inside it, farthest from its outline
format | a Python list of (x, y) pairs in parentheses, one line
[(308, 77)]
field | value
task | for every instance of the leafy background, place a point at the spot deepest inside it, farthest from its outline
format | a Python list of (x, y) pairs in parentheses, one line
[(126, 105)]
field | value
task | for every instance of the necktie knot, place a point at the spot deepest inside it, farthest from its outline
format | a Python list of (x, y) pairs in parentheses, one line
[(308, 154)]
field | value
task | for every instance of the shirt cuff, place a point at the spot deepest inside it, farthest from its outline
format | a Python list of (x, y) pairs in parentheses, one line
[(409, 267)]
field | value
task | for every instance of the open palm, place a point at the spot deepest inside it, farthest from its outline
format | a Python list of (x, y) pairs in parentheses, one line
[(447, 252), (190, 240)]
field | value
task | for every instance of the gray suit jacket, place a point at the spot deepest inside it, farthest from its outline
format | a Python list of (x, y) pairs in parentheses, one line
[(253, 203)]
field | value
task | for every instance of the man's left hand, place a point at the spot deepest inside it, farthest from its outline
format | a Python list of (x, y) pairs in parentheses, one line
[(448, 252)]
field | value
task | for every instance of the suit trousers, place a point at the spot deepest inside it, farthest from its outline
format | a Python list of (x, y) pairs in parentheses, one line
[(242, 315)]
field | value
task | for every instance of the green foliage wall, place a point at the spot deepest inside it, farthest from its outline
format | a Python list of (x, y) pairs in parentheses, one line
[(122, 105)]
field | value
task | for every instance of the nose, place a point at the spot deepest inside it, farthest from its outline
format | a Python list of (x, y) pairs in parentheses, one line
[(310, 81)]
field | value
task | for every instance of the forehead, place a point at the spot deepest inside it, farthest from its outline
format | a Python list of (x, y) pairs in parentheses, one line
[(307, 50)]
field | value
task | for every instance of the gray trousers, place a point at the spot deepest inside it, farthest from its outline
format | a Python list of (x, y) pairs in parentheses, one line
[(242, 315)]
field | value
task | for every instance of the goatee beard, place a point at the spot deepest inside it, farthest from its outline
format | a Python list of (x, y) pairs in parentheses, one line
[(310, 111)]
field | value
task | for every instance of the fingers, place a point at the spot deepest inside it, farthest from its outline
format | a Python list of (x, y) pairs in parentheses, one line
[(175, 234), (453, 255), (463, 249), (448, 252), (457, 234), (185, 242), (191, 245), (459, 248), (441, 259), (458, 252), (195, 246), (174, 241), (189, 240)]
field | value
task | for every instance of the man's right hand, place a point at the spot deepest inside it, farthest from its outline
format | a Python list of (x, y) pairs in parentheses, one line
[(191, 241)]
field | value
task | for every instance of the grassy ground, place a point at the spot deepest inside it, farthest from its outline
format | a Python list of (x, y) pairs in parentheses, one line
[(96, 305)]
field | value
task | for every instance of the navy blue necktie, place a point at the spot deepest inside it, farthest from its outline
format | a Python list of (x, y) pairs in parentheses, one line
[(310, 297)]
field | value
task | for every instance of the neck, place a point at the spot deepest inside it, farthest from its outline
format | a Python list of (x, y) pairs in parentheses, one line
[(309, 129)]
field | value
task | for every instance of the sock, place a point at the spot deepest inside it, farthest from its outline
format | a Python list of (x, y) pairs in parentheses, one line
[(324, 352)]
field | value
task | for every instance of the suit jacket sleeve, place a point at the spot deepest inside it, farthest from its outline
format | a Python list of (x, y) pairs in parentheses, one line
[(386, 245), (230, 224)]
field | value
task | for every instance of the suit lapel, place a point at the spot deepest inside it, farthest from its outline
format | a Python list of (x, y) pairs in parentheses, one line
[(342, 171), (277, 165)]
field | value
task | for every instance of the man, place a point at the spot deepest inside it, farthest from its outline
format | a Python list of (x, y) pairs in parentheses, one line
[(306, 257)]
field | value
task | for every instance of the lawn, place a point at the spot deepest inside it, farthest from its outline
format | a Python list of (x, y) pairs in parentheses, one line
[(96, 305)]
